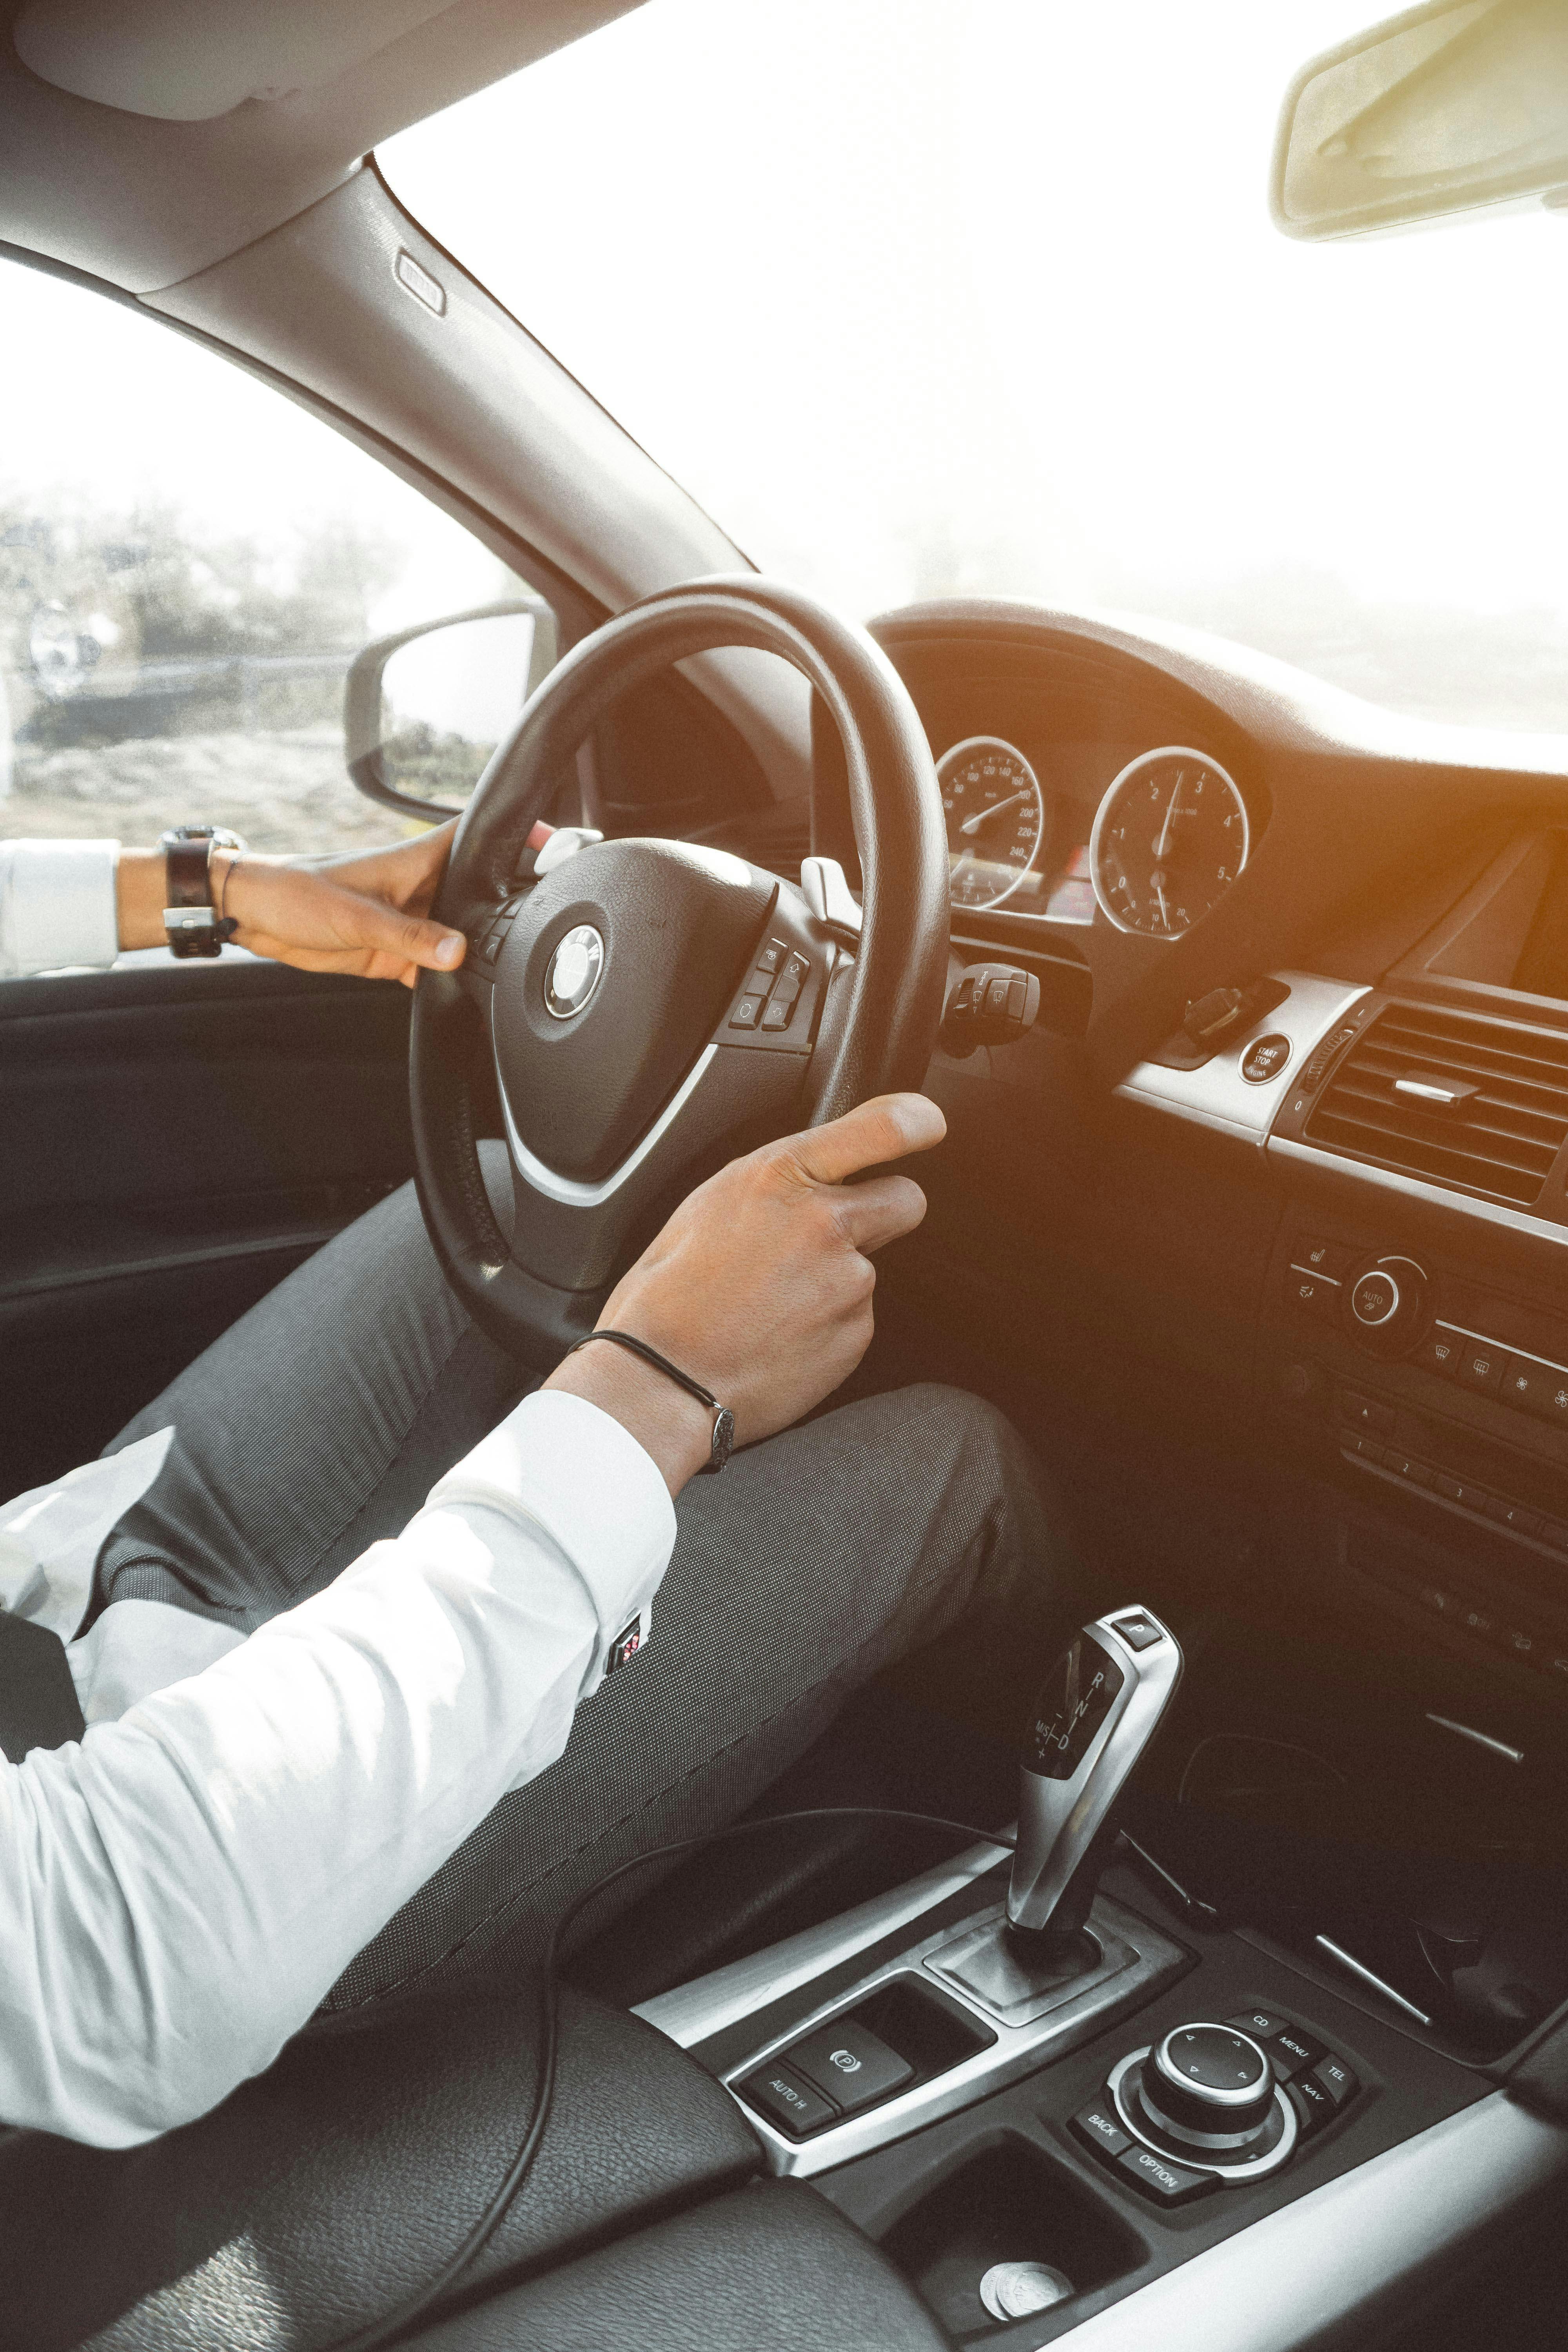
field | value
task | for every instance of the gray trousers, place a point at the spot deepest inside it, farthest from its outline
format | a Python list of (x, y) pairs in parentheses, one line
[(319, 1422)]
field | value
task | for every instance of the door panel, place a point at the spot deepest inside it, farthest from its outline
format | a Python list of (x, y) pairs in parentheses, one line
[(178, 1138)]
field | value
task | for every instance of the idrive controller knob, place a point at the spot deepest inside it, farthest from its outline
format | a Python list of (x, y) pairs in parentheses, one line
[(1385, 1305), (1210, 2084)]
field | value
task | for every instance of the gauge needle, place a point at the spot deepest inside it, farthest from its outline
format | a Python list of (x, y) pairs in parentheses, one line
[(1163, 842), (973, 824), (1164, 910)]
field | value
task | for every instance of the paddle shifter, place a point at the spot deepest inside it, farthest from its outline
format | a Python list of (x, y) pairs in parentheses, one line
[(1095, 1715)]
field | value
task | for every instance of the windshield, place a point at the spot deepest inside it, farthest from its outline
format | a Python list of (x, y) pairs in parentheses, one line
[(981, 296)]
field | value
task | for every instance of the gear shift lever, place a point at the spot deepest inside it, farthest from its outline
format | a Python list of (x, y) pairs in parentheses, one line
[(1096, 1712)]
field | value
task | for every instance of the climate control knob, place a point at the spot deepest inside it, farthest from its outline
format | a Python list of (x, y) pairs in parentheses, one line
[(1385, 1305)]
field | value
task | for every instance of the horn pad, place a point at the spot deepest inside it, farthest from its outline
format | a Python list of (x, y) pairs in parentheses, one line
[(678, 925)]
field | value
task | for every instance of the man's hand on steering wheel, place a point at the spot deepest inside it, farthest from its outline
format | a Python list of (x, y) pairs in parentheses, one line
[(760, 1286), (365, 914)]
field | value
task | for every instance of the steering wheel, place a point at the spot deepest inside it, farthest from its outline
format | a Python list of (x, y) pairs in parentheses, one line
[(650, 1007)]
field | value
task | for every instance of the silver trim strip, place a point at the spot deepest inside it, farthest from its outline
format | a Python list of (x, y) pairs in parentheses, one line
[(1503, 1347), (1358, 1969), (692, 2012), (1464, 1205), (1218, 1095), (566, 1189), (1481, 1739), (1330, 2255)]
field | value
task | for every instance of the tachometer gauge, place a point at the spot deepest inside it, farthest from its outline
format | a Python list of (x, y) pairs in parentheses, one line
[(996, 815), (1168, 840)]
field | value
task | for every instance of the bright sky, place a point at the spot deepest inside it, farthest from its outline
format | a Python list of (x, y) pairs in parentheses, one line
[(984, 292)]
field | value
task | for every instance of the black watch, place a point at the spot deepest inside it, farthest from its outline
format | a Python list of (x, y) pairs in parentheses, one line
[(191, 922)]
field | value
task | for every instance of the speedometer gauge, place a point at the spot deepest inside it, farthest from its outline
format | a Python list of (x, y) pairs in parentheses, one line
[(1169, 839), (996, 815)]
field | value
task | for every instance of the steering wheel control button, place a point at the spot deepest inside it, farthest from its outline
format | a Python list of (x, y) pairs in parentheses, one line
[(1168, 2183), (851, 2065), (1336, 2079), (778, 2093), (771, 957), (1374, 1300), (1265, 1059), (747, 1012), (1292, 2053), (573, 973), (791, 981), (1097, 2129), (777, 1015)]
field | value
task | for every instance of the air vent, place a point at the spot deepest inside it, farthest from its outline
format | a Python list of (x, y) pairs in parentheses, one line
[(1458, 1100)]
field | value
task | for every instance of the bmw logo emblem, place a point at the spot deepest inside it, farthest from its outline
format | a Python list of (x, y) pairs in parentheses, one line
[(573, 972)]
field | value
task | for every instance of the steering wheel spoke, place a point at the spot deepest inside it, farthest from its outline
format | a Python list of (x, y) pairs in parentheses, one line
[(650, 1007)]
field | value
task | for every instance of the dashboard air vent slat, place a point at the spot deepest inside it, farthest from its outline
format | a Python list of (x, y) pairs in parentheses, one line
[(1498, 1139)]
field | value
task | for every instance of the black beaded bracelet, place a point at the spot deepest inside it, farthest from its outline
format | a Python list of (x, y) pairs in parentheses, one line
[(724, 1419)]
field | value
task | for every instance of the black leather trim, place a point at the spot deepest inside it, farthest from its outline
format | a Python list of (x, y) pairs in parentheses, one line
[(319, 2196), (770, 2269)]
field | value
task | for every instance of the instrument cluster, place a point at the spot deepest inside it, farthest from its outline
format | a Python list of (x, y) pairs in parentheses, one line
[(1169, 835)]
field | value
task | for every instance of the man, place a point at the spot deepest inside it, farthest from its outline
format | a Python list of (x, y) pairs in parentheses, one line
[(336, 1601)]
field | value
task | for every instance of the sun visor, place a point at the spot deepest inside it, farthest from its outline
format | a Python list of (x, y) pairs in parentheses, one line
[(192, 60)]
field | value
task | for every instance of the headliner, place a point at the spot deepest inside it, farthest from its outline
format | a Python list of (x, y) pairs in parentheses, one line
[(142, 200)]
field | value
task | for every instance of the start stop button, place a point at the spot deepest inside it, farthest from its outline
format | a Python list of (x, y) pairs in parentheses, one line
[(1264, 1058)]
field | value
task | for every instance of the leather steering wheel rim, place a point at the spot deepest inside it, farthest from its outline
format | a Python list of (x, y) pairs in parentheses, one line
[(876, 1020)]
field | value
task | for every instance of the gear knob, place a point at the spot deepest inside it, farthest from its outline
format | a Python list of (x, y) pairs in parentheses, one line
[(1096, 1713)]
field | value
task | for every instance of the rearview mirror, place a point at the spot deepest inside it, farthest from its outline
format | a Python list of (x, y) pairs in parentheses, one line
[(424, 709), (1449, 107)]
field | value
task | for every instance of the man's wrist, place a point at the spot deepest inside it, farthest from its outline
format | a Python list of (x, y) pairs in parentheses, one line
[(672, 1428)]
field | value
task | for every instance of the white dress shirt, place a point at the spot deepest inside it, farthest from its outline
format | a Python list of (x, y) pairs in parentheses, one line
[(180, 1887), (57, 905)]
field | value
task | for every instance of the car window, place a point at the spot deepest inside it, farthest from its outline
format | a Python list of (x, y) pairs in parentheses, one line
[(993, 305), (189, 562)]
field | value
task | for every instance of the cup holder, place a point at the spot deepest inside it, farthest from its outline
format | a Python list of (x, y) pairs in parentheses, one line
[(1008, 2203)]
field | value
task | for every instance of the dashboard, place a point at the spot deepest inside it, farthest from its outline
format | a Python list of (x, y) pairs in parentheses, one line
[(1295, 1294)]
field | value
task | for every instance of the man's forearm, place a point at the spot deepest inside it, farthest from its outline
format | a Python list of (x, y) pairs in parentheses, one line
[(178, 1892)]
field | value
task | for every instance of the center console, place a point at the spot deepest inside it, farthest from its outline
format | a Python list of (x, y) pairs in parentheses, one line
[(1047, 2084)]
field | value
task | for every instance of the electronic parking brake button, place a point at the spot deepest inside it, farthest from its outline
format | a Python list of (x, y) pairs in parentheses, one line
[(851, 2065), (778, 2093), (1171, 2184)]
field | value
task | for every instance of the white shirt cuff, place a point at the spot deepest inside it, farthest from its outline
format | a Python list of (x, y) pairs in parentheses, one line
[(586, 1480), (57, 905)]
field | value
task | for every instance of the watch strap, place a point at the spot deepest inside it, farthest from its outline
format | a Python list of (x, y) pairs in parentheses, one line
[(191, 924)]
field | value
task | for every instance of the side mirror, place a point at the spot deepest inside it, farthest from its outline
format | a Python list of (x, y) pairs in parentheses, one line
[(1445, 109), (423, 710)]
